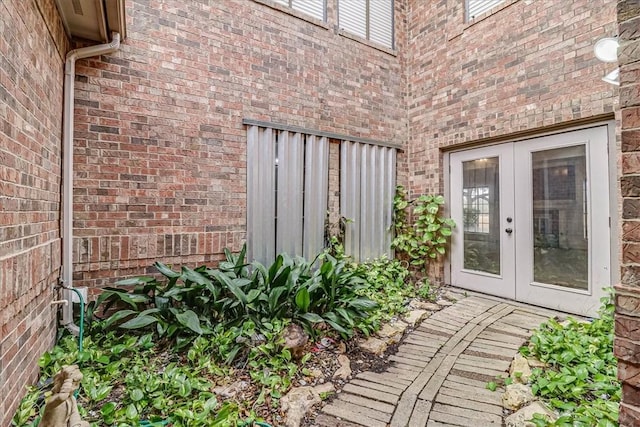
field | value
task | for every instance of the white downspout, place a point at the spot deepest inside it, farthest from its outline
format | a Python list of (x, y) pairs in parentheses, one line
[(67, 169)]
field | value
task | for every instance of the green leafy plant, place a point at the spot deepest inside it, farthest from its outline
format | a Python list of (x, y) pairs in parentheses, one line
[(179, 306), (581, 382), (386, 284), (427, 236)]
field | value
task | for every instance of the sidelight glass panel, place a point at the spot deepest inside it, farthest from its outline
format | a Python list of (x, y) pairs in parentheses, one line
[(481, 215), (560, 232)]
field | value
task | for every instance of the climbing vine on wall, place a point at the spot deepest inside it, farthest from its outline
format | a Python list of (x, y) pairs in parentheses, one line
[(422, 233)]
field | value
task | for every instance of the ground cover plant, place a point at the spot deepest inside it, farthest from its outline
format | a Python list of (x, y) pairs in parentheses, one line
[(581, 382), (180, 337)]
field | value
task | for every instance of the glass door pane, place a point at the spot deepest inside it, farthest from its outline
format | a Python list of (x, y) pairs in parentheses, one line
[(560, 232), (481, 214)]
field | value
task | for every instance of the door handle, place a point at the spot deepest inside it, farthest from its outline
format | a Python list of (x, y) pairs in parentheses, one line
[(509, 230)]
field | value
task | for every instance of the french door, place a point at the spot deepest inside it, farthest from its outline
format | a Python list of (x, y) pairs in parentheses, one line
[(533, 220)]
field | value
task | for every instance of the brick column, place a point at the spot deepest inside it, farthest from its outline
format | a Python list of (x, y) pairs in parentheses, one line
[(627, 330)]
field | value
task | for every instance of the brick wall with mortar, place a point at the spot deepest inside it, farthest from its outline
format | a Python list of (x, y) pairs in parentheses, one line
[(160, 147), (522, 66), (32, 49), (627, 341)]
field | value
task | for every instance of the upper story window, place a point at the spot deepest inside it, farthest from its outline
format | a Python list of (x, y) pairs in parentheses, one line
[(474, 8), (369, 19), (314, 8)]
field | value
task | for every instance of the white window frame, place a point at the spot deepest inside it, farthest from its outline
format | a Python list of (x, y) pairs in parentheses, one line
[(367, 23), (475, 8), (305, 6)]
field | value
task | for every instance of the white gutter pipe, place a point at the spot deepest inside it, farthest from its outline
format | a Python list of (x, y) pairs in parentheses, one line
[(67, 169)]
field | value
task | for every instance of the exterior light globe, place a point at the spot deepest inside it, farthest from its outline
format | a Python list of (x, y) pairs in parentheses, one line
[(606, 49)]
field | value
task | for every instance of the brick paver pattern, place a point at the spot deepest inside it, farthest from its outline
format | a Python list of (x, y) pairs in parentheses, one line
[(439, 374)]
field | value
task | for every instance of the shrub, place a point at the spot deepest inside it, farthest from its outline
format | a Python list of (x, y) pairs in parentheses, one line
[(581, 381), (183, 305)]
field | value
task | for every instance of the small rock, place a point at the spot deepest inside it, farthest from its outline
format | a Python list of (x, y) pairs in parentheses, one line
[(453, 296), (535, 363), (231, 390), (342, 347), (295, 338), (392, 332), (299, 400), (444, 303), (423, 305), (520, 370), (415, 316), (344, 371), (520, 418), (316, 373), (373, 345), (516, 396), (325, 388)]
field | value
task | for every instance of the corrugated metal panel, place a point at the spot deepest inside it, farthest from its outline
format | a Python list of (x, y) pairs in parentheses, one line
[(381, 22), (352, 16), (367, 188), (290, 167), (366, 202), (378, 202), (316, 188), (389, 165), (261, 194), (478, 7), (314, 8), (282, 2), (350, 196)]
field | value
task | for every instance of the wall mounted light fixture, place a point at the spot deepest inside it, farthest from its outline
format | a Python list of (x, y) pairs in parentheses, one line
[(606, 50)]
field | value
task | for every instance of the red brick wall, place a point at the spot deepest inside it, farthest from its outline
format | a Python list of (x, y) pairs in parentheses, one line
[(524, 65), (627, 342), (32, 49), (160, 147)]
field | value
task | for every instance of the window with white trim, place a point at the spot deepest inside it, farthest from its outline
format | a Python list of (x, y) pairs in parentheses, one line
[(314, 8), (474, 8), (369, 19)]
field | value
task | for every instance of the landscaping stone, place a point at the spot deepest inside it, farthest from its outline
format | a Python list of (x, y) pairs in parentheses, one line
[(373, 345), (299, 400), (295, 338), (453, 296), (520, 370), (535, 363), (415, 316), (521, 418), (444, 303), (516, 396), (423, 305), (344, 371), (231, 390), (392, 332)]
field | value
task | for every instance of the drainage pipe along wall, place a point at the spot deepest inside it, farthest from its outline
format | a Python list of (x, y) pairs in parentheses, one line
[(67, 170)]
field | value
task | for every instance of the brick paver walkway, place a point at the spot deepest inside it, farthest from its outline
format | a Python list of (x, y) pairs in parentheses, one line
[(439, 374)]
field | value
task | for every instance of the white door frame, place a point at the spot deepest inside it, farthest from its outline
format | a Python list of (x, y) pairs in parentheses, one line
[(610, 184)]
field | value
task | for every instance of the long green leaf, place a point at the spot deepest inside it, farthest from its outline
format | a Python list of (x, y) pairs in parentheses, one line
[(364, 304), (312, 317), (166, 271), (303, 300), (189, 275), (189, 319), (118, 316), (138, 322), (274, 298), (229, 283), (275, 267)]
